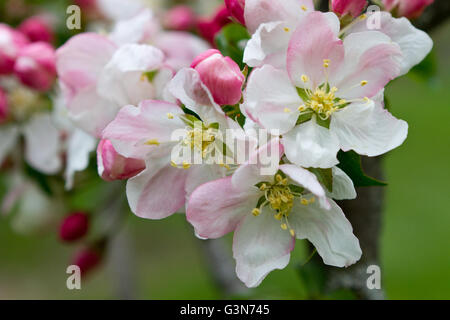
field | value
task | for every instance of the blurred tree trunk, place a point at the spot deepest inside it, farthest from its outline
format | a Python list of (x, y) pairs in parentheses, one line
[(366, 212)]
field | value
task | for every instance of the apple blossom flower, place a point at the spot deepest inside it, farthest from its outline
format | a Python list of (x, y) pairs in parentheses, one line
[(100, 74), (268, 212), (36, 66), (208, 28), (4, 108), (236, 10), (272, 22), (221, 75), (410, 9), (158, 131), (37, 29), (11, 42), (331, 96), (181, 18), (74, 227), (112, 166), (348, 7)]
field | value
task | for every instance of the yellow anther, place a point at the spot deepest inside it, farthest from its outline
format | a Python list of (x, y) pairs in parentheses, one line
[(278, 216), (326, 65), (287, 110), (256, 212), (305, 78), (186, 165), (312, 200), (342, 101), (285, 181), (152, 142), (278, 178), (304, 8), (304, 202), (366, 99), (286, 29), (333, 89), (364, 82), (170, 115), (302, 108), (326, 60), (263, 187), (143, 77), (284, 226), (173, 164), (223, 165), (363, 16), (292, 232)]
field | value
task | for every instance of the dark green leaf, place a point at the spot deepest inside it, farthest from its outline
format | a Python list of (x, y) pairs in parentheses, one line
[(350, 163), (325, 177)]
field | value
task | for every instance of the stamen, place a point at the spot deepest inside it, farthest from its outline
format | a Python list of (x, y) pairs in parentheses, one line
[(304, 8), (284, 226), (364, 82), (305, 78), (170, 115), (256, 212), (287, 110), (286, 29), (152, 142), (186, 165)]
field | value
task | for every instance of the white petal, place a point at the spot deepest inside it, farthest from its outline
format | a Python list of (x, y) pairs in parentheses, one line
[(304, 178), (260, 246), (121, 80), (414, 43), (368, 128), (119, 9), (271, 100), (329, 231), (268, 45), (138, 29), (310, 145), (79, 146), (42, 150)]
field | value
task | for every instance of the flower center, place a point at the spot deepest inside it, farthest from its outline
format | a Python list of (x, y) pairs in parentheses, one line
[(280, 196), (201, 139)]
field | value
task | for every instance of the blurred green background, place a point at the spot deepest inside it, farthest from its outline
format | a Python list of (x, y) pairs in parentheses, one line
[(167, 262)]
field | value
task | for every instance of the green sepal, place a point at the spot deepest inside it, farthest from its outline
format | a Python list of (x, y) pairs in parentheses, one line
[(350, 163), (325, 177)]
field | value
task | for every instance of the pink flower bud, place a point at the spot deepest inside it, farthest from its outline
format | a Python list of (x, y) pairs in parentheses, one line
[(180, 18), (11, 42), (4, 111), (221, 75), (348, 7), (236, 9), (410, 9), (36, 66), (112, 166), (208, 28), (37, 29), (87, 259), (74, 227)]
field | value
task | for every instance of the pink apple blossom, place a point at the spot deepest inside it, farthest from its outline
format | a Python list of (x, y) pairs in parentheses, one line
[(331, 96), (268, 212), (221, 75), (36, 66), (74, 227), (208, 28), (112, 166), (410, 9), (37, 29), (348, 7), (11, 42)]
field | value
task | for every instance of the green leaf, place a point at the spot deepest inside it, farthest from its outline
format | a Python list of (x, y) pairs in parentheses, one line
[(304, 117), (313, 277), (302, 94), (231, 41), (350, 163), (325, 177)]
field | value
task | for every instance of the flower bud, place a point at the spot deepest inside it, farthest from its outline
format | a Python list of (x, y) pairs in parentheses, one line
[(348, 7), (209, 28), (11, 42), (37, 29), (180, 18), (410, 9), (87, 259), (236, 9), (221, 75), (74, 227), (36, 66), (4, 111), (113, 166)]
